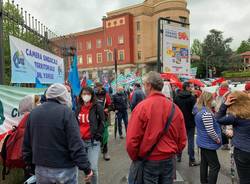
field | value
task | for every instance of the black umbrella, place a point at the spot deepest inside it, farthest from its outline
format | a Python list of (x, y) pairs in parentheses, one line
[(116, 125)]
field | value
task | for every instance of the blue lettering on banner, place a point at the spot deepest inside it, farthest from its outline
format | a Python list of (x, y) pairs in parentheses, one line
[(48, 75), (171, 33), (34, 54), (39, 75), (44, 66)]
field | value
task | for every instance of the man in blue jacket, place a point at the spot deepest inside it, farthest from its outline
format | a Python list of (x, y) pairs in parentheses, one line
[(137, 96)]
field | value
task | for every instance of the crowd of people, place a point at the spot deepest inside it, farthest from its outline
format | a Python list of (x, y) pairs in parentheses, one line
[(59, 141)]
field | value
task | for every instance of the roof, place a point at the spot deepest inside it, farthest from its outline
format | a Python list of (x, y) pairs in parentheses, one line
[(247, 53)]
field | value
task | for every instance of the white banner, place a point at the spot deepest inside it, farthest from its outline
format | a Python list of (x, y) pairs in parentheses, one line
[(176, 50), (9, 102), (30, 64)]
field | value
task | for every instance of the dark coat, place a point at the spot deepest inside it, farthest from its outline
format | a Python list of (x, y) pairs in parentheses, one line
[(120, 101), (137, 97), (186, 101), (96, 120), (52, 138)]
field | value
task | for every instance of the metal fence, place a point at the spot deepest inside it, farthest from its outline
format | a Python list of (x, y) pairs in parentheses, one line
[(16, 21)]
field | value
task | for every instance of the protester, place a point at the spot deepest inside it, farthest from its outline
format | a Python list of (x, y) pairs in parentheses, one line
[(208, 139), (52, 140), (235, 111), (147, 122), (26, 105), (104, 99), (221, 94), (91, 120), (120, 102), (138, 96), (186, 101)]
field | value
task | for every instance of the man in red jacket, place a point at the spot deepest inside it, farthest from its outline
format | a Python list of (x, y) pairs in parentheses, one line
[(146, 123)]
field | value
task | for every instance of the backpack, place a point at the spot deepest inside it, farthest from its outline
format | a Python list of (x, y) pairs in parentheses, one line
[(11, 152)]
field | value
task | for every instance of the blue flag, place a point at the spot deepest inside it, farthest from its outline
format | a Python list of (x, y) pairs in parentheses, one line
[(74, 78), (39, 84)]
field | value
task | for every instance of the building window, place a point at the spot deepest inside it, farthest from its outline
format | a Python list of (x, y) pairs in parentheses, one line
[(109, 56), (109, 41), (183, 20), (79, 58), (99, 57), (138, 39), (89, 59), (139, 55), (88, 45), (79, 46), (121, 39), (98, 43), (121, 55), (138, 26)]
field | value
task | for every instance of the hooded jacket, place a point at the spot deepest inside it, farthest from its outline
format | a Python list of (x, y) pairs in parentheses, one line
[(186, 101)]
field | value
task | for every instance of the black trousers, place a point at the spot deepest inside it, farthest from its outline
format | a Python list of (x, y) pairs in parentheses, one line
[(242, 161), (104, 148), (209, 159)]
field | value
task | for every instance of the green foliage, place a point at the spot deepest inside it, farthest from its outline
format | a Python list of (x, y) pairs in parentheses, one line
[(235, 74), (244, 46), (217, 51), (196, 48)]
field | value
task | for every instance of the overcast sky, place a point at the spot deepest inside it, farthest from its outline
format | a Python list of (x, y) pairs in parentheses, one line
[(69, 16)]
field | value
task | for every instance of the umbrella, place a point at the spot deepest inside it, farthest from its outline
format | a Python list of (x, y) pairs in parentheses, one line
[(218, 81), (170, 76), (116, 125), (178, 84), (196, 82)]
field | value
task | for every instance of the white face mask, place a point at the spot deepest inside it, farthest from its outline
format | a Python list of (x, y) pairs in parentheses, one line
[(86, 98)]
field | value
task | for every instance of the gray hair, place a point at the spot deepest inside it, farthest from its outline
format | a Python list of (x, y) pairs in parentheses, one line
[(154, 78)]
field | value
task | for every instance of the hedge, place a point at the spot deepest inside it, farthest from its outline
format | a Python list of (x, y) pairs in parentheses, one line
[(235, 74)]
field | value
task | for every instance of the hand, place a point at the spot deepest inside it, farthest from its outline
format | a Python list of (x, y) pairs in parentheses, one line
[(229, 133), (106, 110), (87, 178), (218, 141), (230, 100)]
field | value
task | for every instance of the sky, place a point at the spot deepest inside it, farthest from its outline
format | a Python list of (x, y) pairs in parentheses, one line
[(69, 16)]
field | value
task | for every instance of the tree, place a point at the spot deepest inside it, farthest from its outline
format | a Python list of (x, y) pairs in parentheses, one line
[(196, 48), (216, 51), (244, 46), (235, 63)]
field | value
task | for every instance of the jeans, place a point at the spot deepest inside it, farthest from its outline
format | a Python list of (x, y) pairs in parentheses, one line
[(209, 159), (93, 150), (190, 136), (45, 175), (242, 161), (157, 172), (122, 115)]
